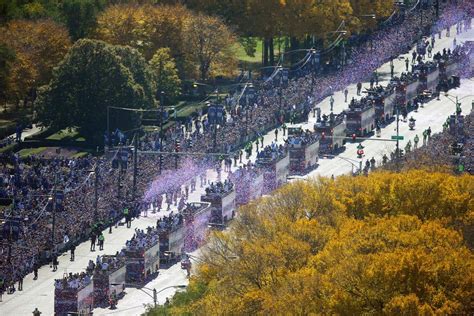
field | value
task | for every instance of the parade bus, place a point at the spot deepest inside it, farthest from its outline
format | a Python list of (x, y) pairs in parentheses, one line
[(248, 182), (276, 167), (142, 264), (411, 83), (384, 102), (360, 118), (70, 300), (197, 218), (428, 75), (331, 132), (171, 241), (303, 150), (109, 279), (222, 206)]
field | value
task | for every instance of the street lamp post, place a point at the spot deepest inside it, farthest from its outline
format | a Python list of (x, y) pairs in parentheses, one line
[(96, 192), (246, 115), (135, 166), (397, 150), (53, 228), (155, 293), (162, 102)]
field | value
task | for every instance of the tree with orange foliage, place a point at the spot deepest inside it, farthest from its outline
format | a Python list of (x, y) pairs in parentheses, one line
[(361, 245), (38, 47)]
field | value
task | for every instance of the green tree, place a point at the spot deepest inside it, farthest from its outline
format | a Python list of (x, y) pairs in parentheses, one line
[(80, 16), (165, 73), (93, 76)]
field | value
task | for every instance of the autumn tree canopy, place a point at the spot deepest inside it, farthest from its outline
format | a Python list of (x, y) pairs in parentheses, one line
[(150, 27), (38, 47), (382, 244)]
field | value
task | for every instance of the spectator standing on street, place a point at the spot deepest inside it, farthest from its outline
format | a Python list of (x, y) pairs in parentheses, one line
[(55, 262), (93, 239), (73, 250), (359, 87), (2, 284), (331, 102), (346, 92), (415, 142), (407, 63), (36, 312), (101, 241), (35, 271), (20, 281), (128, 220), (425, 135), (429, 133)]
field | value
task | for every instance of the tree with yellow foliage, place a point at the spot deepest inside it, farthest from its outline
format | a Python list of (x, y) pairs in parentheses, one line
[(209, 44), (200, 44), (396, 265), (144, 27), (38, 47), (354, 246)]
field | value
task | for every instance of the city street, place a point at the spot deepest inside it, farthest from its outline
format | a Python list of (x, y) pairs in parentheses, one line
[(40, 293)]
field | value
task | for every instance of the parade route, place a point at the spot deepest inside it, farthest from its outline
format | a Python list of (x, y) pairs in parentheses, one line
[(40, 293)]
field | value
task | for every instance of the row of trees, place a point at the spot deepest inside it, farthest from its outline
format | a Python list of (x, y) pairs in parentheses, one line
[(202, 45), (171, 43), (299, 20), (383, 244)]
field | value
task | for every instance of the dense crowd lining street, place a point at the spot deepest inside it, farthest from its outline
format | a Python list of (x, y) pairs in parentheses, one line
[(432, 115)]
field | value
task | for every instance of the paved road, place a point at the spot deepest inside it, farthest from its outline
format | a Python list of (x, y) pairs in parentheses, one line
[(40, 293)]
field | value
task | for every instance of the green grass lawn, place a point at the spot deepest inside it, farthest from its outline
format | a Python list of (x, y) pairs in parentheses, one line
[(64, 134), (31, 151), (242, 55), (186, 111), (80, 154)]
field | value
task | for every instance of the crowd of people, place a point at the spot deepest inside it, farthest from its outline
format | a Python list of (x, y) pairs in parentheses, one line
[(303, 139), (272, 152), (220, 188), (170, 222), (32, 181), (73, 281), (142, 239), (447, 149)]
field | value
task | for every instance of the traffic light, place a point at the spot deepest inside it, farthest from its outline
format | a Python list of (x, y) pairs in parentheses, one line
[(161, 160), (177, 146), (360, 151), (354, 137)]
